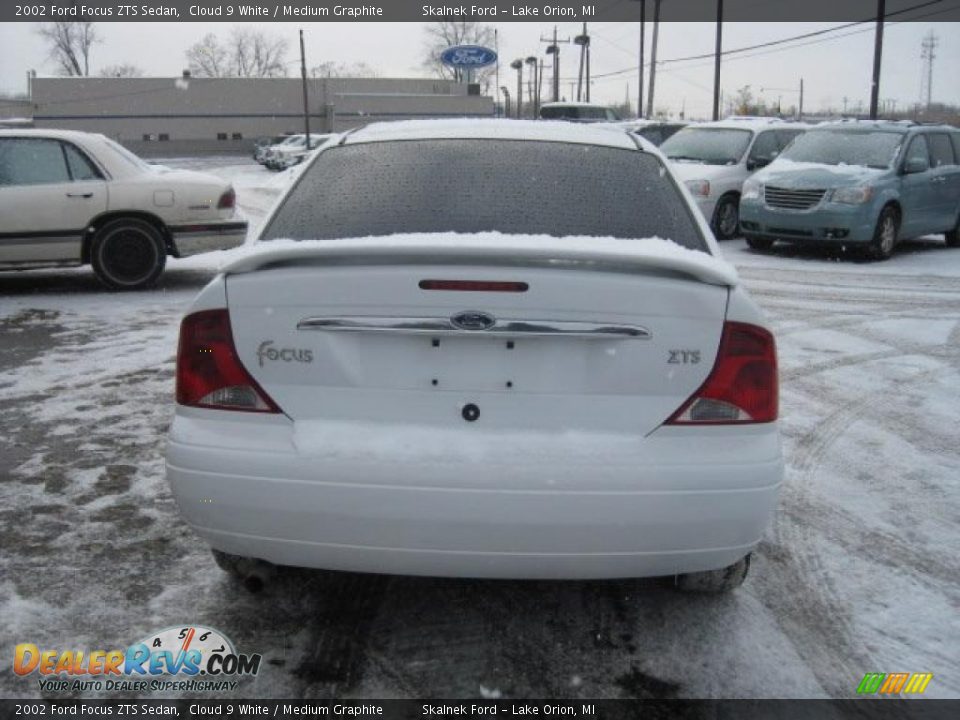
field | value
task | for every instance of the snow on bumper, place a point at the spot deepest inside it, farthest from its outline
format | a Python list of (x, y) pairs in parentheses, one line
[(538, 508)]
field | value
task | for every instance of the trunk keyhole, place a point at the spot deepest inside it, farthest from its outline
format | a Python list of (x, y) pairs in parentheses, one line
[(470, 412)]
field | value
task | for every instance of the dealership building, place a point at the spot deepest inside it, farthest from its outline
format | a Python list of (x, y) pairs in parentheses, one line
[(191, 115)]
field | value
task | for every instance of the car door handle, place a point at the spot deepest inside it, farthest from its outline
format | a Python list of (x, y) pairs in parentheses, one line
[(80, 195)]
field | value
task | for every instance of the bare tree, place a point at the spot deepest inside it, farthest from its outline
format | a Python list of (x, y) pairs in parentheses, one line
[(246, 53), (441, 35), (208, 58), (333, 69), (257, 54), (70, 44), (123, 70)]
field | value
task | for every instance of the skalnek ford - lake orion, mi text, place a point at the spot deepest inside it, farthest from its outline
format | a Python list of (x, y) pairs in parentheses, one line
[(503, 11)]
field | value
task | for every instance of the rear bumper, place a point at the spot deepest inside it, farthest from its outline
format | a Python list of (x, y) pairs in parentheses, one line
[(829, 222), (204, 237), (561, 512)]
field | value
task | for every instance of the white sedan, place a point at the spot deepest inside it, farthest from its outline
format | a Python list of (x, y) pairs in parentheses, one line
[(462, 348), (71, 198)]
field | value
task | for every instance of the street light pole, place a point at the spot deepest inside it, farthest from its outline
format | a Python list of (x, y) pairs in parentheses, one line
[(518, 66), (535, 87)]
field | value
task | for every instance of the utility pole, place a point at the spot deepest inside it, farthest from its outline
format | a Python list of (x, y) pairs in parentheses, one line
[(877, 56), (800, 105), (554, 49), (306, 101), (928, 54), (643, 17), (506, 105), (496, 47), (716, 62), (584, 42), (653, 56), (540, 87)]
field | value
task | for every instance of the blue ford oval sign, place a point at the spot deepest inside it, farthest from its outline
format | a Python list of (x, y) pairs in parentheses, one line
[(468, 56)]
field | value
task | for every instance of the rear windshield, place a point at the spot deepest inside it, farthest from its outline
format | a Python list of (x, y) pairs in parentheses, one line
[(470, 186), (713, 146), (871, 148)]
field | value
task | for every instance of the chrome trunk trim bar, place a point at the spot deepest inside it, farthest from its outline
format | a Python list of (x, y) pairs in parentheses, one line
[(443, 326)]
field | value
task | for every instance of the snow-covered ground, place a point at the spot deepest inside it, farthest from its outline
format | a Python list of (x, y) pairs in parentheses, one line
[(858, 573)]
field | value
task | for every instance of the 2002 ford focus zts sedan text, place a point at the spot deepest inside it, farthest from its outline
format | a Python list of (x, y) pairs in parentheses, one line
[(484, 349)]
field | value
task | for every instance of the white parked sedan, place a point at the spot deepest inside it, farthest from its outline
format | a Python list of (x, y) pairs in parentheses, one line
[(71, 198), (461, 348)]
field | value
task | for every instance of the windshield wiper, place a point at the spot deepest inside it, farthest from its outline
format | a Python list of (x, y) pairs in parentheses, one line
[(685, 157)]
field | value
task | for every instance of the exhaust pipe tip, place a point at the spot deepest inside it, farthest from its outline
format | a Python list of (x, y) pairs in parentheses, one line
[(254, 583)]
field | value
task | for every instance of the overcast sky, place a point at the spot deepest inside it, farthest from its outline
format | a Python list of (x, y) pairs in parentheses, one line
[(831, 68)]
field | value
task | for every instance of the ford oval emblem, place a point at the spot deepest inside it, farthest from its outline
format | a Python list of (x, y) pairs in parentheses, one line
[(468, 56), (473, 320)]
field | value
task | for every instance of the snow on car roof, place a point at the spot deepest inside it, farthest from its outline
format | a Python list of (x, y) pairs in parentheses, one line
[(751, 123), (491, 129), (54, 133)]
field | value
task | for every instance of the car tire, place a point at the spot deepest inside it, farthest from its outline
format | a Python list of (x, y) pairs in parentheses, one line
[(726, 218), (253, 574), (759, 243), (953, 236), (715, 581), (128, 254), (885, 234)]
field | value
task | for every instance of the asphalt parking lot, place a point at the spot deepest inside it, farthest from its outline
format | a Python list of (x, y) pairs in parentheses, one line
[(858, 573)]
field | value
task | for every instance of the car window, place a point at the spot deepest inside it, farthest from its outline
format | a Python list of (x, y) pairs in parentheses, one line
[(32, 161), (785, 137), (842, 146), (941, 150), (653, 134), (765, 147), (713, 146), (80, 166), (956, 145), (918, 151), (515, 187), (573, 112), (119, 151)]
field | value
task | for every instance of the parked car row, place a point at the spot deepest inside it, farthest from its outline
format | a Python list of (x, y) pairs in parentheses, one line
[(863, 183), (289, 150)]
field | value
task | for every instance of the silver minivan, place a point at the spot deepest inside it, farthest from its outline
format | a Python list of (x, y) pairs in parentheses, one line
[(714, 159)]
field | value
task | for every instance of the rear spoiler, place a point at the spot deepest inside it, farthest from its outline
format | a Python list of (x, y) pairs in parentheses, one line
[(647, 256)]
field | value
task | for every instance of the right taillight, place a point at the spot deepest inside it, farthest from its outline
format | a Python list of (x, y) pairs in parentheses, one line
[(227, 200), (742, 387), (209, 372)]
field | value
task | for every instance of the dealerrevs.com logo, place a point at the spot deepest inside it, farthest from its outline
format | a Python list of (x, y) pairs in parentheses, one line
[(192, 658)]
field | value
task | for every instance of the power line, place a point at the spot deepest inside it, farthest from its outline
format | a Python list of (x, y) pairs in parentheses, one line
[(781, 41)]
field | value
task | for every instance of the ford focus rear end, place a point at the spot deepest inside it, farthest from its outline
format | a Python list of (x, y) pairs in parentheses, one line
[(480, 349)]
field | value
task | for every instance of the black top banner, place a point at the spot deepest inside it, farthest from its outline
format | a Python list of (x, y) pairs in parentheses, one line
[(485, 11)]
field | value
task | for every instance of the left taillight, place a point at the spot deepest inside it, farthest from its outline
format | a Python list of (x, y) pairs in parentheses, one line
[(209, 373), (228, 200), (742, 388)]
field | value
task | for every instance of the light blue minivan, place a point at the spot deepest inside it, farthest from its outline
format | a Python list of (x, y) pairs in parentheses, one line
[(866, 183)]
